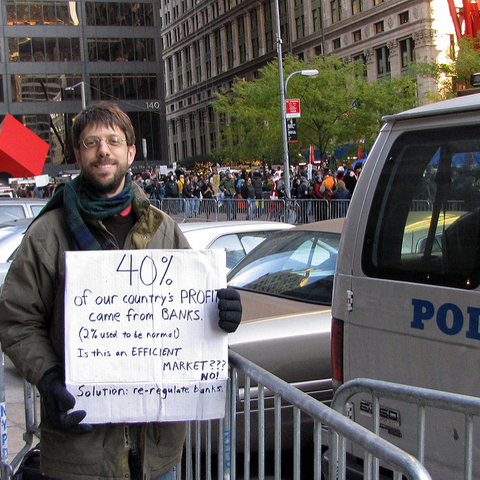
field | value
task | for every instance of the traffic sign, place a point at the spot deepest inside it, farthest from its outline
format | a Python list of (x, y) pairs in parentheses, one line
[(292, 107), (292, 130)]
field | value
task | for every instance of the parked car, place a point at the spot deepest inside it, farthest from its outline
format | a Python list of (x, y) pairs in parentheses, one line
[(237, 238), (11, 234), (286, 289), (12, 208)]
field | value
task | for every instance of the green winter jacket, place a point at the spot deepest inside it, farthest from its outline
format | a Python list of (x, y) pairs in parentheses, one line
[(32, 335)]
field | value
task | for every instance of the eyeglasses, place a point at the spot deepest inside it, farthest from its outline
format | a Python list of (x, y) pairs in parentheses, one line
[(93, 142)]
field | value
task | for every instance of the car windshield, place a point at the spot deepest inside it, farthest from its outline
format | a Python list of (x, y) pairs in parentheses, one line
[(294, 264)]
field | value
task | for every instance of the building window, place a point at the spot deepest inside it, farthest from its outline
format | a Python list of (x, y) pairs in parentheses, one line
[(128, 86), (361, 58), (284, 20), (404, 17), (188, 66), (357, 6), (379, 27), (407, 52), (335, 7), (336, 43), (318, 50), (170, 74), (42, 13), (40, 49), (267, 15), (218, 51), (178, 58), (242, 45), (378, 2), (254, 33), (357, 35), (198, 62), (39, 88), (383, 63), (118, 14), (230, 45), (208, 56), (121, 50), (300, 26)]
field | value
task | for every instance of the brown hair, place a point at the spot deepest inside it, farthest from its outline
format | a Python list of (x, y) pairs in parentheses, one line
[(103, 113)]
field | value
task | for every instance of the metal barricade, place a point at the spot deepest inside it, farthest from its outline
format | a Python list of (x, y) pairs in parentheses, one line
[(263, 412), (294, 211), (339, 208), (422, 398), (227, 448), (32, 422)]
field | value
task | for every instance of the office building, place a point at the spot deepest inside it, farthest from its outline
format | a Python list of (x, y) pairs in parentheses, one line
[(206, 44), (56, 55)]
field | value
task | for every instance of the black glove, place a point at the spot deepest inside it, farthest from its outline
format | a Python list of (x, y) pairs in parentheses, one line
[(58, 401), (230, 309)]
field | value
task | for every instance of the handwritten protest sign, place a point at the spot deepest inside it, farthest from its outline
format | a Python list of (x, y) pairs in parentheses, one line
[(142, 341)]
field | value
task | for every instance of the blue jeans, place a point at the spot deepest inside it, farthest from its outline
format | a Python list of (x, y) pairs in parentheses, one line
[(250, 208), (167, 476), (230, 206)]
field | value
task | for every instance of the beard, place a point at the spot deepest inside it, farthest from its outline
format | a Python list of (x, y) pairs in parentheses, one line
[(99, 184)]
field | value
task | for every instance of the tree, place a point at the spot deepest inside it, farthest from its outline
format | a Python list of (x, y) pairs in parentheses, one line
[(338, 106), (454, 75)]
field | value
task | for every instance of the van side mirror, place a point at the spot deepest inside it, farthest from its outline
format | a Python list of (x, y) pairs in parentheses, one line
[(475, 79)]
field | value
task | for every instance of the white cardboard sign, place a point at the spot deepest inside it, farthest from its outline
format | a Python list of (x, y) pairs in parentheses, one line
[(142, 341)]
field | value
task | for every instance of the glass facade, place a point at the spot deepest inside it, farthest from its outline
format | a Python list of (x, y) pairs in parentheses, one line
[(42, 13), (71, 61)]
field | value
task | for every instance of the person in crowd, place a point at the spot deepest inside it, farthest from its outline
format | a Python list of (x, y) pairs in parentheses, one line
[(248, 193), (302, 194), (351, 177), (171, 193), (197, 195), (180, 183), (257, 183), (101, 209), (207, 190), (188, 196), (227, 186), (342, 194), (328, 184)]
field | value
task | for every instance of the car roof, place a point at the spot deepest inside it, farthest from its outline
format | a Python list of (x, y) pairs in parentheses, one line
[(19, 222), (235, 226), (461, 104), (333, 226), (23, 200)]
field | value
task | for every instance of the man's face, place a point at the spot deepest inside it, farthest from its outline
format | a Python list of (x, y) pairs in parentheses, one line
[(104, 166)]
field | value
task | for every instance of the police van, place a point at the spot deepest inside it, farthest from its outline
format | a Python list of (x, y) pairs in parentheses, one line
[(406, 304)]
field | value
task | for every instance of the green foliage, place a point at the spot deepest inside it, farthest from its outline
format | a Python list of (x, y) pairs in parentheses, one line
[(454, 76), (338, 106)]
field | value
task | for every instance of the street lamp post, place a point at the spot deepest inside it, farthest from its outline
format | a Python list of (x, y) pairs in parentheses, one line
[(283, 91), (82, 92)]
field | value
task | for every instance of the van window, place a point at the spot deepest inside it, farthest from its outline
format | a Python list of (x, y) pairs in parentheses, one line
[(424, 224)]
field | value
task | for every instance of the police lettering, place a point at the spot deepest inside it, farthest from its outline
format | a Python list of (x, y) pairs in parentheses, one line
[(449, 317)]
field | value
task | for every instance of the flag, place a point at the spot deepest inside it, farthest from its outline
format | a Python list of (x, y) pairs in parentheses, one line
[(312, 154), (359, 152)]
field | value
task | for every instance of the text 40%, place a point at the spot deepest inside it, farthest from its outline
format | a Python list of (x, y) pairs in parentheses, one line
[(148, 271)]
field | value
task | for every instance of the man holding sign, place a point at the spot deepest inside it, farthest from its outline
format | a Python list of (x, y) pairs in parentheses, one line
[(101, 209)]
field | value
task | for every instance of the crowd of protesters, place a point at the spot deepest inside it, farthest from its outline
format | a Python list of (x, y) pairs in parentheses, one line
[(227, 187)]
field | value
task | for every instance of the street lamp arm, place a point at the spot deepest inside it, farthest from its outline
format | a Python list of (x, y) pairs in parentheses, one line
[(305, 73)]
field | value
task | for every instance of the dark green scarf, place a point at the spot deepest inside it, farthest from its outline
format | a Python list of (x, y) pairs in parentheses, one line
[(80, 202)]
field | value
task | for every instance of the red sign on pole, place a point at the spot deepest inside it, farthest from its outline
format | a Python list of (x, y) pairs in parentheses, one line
[(292, 107)]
